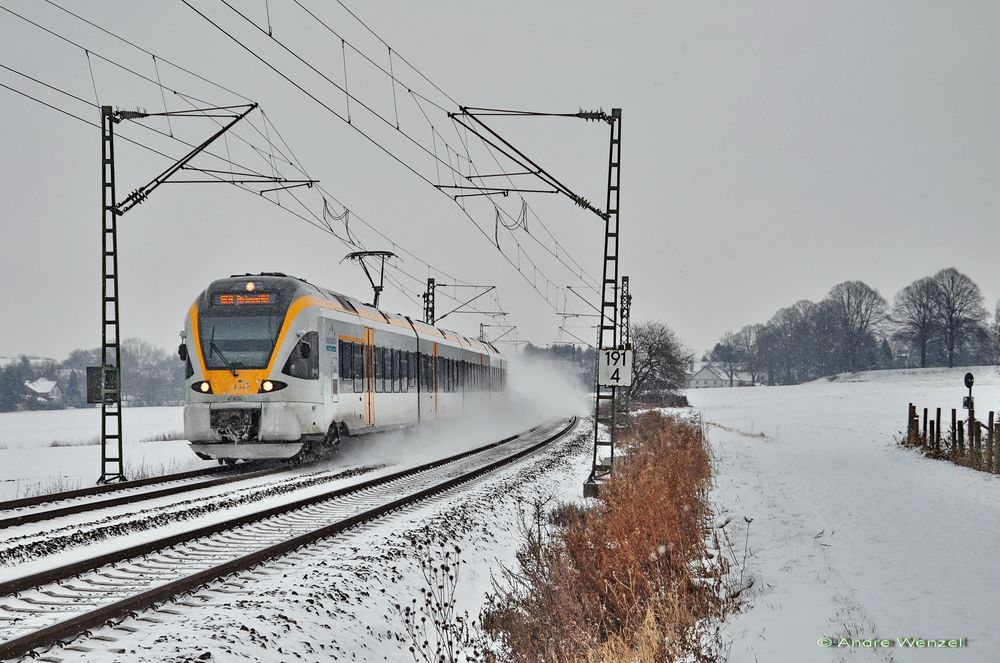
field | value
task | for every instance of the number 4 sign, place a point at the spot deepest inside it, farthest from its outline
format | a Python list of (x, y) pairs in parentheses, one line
[(615, 368)]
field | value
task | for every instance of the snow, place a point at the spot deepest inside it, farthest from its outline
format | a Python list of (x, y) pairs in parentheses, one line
[(852, 535), (333, 600), (56, 450), (32, 429), (41, 385), (849, 535)]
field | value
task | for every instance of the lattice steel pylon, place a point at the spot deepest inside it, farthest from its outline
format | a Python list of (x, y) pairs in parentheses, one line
[(104, 384), (112, 464), (607, 326), (625, 332)]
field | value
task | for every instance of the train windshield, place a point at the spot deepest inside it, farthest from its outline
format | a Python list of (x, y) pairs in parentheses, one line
[(238, 341)]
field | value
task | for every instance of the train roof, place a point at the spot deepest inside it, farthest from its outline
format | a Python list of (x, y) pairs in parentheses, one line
[(298, 287)]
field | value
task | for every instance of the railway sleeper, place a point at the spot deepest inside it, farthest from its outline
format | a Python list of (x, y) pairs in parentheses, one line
[(77, 599), (31, 600), (30, 611)]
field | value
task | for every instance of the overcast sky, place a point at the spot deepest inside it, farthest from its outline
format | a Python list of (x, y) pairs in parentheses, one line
[(769, 151)]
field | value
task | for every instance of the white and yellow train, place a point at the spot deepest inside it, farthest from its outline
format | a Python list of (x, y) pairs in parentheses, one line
[(279, 368)]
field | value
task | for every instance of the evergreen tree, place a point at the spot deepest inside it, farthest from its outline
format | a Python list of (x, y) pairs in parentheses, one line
[(11, 388)]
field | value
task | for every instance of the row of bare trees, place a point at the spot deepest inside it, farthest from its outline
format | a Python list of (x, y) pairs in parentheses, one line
[(150, 376), (938, 320), (943, 314)]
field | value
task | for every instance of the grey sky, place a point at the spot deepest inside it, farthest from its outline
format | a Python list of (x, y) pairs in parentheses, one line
[(770, 150)]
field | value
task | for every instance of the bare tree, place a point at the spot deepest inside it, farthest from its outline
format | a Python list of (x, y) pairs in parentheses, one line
[(915, 316), (862, 309), (960, 309), (748, 341), (727, 355), (659, 359)]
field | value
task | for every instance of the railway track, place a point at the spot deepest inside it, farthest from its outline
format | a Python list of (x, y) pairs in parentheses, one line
[(25, 516), (54, 605), (19, 512)]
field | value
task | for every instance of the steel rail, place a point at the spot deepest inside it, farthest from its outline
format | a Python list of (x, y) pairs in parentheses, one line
[(114, 487), (74, 626), (84, 507)]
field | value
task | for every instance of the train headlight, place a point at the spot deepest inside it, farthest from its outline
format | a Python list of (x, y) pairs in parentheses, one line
[(202, 387), (268, 386), (250, 286)]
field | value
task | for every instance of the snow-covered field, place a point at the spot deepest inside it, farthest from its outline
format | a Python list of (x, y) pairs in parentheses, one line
[(851, 535), (54, 450)]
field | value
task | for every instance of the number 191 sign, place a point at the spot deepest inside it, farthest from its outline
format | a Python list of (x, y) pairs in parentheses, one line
[(615, 368)]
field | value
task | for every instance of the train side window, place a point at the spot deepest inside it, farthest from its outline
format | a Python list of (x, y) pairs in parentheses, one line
[(387, 371), (407, 367), (358, 358), (413, 368), (346, 360), (379, 370), (395, 371), (404, 367), (303, 361), (390, 370), (387, 354), (400, 370), (384, 361)]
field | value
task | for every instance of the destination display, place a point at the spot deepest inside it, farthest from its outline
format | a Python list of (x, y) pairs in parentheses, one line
[(242, 298)]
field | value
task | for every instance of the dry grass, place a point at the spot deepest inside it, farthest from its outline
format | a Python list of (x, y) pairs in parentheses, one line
[(147, 469), (47, 486), (169, 436), (630, 580)]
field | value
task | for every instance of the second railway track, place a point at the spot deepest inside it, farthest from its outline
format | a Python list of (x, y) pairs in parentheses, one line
[(57, 604), (22, 516)]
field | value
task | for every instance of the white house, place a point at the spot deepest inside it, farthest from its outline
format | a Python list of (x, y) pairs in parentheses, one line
[(713, 376), (708, 376), (44, 390)]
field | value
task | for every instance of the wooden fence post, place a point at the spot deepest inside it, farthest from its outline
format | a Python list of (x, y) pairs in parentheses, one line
[(931, 443), (954, 432), (961, 442), (989, 443), (974, 448), (923, 435), (910, 435), (996, 451), (937, 440)]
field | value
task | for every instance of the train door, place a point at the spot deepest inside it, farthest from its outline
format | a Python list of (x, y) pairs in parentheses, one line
[(332, 356), (369, 376)]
